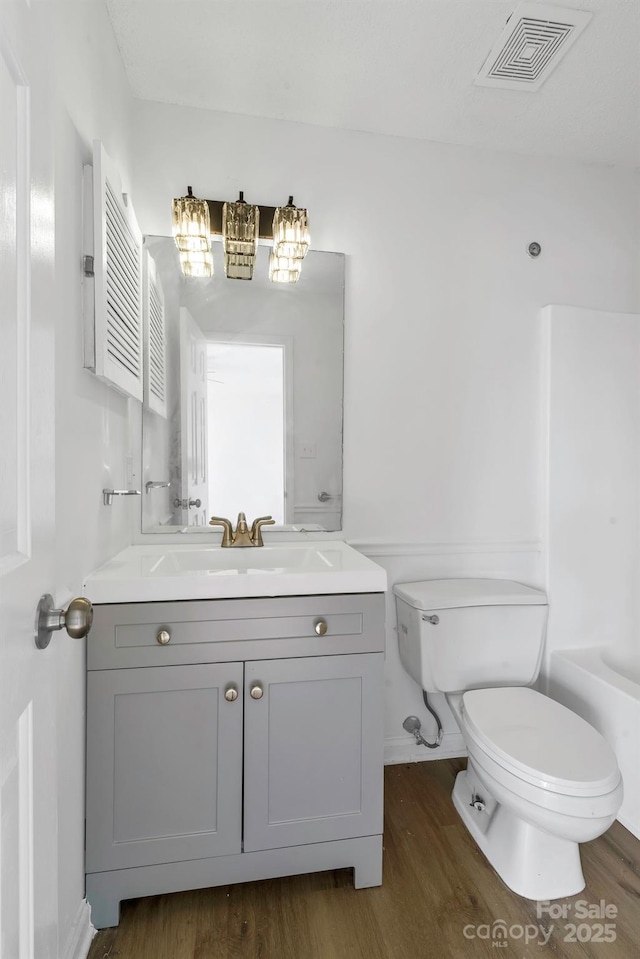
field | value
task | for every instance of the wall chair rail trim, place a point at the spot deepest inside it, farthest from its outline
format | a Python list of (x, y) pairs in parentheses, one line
[(387, 547)]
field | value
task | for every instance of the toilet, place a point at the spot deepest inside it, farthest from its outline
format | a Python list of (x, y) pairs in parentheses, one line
[(539, 779)]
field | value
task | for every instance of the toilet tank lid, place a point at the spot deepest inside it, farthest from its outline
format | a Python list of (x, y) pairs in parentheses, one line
[(453, 593)]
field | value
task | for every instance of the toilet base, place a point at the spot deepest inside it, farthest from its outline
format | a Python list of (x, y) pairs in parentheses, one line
[(530, 861)]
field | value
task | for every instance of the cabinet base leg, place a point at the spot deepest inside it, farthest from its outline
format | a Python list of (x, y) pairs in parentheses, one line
[(104, 901), (367, 870)]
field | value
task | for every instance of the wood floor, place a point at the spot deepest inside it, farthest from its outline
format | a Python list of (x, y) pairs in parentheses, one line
[(439, 899)]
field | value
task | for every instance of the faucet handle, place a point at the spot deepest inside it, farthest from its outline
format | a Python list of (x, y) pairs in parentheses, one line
[(256, 529), (226, 523)]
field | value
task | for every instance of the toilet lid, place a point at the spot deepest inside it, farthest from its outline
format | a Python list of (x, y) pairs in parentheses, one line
[(540, 740)]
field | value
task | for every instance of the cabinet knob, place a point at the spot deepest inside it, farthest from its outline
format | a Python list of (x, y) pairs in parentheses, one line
[(320, 626), (256, 691), (231, 693), (163, 637)]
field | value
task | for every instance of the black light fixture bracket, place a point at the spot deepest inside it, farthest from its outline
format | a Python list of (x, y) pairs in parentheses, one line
[(266, 219)]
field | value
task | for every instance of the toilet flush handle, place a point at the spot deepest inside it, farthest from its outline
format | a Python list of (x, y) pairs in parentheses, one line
[(434, 620)]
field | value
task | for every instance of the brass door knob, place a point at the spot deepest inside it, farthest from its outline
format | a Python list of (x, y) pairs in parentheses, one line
[(163, 637), (320, 627), (231, 693), (256, 691), (77, 619)]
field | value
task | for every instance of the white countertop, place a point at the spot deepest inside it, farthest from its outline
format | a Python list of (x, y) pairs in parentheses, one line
[(143, 574)]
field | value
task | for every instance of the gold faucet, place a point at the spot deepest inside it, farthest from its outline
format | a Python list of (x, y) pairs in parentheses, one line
[(242, 535)]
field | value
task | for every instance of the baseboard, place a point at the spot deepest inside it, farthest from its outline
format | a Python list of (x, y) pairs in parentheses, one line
[(404, 749), (633, 827), (80, 935)]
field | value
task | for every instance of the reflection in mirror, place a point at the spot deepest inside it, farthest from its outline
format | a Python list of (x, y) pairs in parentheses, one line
[(244, 411)]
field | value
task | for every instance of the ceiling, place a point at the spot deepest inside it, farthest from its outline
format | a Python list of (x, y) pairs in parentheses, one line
[(397, 67)]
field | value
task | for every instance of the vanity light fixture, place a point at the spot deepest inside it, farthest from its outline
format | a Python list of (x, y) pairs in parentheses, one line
[(291, 231), (192, 233), (240, 231), (239, 225)]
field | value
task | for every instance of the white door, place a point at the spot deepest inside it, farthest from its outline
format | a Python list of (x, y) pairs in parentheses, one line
[(28, 786), (193, 401)]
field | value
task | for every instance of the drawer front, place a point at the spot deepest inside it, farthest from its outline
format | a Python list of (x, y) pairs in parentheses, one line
[(203, 631)]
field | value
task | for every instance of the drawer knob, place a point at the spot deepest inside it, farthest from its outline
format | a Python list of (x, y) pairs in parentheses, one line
[(231, 693), (256, 691), (163, 637), (320, 627)]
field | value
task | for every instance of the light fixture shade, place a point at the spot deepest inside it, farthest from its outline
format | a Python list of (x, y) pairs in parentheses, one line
[(284, 269), (240, 227), (240, 230), (196, 263), (291, 231), (238, 266), (191, 223)]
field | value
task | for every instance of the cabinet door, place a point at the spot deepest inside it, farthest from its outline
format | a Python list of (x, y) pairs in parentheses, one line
[(313, 750), (164, 765)]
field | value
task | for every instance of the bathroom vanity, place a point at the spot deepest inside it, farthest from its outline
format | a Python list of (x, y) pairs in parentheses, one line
[(232, 739)]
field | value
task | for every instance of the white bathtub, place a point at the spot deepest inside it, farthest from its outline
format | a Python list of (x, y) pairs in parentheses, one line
[(603, 686), (626, 664)]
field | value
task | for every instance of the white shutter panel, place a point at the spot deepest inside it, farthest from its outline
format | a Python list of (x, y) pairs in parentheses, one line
[(155, 351), (113, 301)]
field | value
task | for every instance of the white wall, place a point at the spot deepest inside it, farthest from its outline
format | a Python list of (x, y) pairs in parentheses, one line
[(594, 478), (444, 441), (92, 429)]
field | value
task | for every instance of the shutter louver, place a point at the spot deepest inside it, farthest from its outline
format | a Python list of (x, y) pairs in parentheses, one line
[(155, 366), (113, 301)]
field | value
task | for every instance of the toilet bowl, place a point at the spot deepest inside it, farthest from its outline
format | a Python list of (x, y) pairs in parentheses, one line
[(539, 779)]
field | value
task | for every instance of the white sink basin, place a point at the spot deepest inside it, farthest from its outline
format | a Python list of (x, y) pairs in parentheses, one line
[(167, 572), (212, 561)]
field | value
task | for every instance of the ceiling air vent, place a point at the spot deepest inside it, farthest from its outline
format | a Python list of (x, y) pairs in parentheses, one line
[(533, 42)]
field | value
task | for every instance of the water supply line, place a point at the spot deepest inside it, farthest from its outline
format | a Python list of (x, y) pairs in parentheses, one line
[(413, 725)]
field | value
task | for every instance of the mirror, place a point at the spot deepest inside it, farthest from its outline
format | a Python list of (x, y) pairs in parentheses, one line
[(243, 405)]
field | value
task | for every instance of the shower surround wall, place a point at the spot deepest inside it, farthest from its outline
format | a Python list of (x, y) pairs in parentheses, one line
[(443, 444), (593, 364), (593, 479)]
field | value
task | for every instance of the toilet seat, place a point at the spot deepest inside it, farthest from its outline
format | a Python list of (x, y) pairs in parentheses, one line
[(540, 741)]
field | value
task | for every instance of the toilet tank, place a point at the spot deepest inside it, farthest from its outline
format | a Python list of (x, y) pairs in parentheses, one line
[(458, 634)]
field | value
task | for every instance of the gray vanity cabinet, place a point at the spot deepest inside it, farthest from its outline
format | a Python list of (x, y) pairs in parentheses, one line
[(248, 745)]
